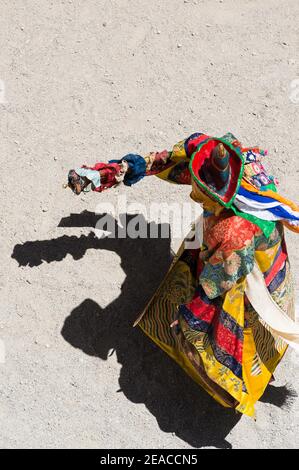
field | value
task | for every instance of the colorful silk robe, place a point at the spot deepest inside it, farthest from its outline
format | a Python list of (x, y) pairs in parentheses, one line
[(221, 342)]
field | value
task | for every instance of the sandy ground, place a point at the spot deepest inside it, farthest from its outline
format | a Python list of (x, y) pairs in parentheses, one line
[(83, 81)]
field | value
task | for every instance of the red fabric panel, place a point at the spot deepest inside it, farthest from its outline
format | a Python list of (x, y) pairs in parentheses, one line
[(202, 310), (227, 341), (192, 144)]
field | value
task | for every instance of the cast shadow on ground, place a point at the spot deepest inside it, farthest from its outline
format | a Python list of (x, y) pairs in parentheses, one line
[(147, 375)]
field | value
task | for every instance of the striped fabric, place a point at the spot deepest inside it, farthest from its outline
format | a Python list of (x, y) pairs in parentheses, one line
[(265, 207)]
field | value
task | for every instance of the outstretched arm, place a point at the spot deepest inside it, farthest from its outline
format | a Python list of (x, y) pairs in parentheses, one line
[(172, 166)]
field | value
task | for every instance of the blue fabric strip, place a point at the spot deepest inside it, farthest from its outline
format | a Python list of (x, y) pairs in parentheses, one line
[(254, 196), (193, 322), (222, 356), (227, 360), (278, 279), (283, 213), (230, 323), (266, 273)]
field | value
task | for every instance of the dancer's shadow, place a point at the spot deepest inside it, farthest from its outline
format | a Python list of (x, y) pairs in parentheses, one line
[(147, 375), (34, 253)]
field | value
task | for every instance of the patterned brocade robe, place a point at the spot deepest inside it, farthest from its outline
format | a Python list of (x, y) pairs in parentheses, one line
[(229, 341), (222, 343)]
